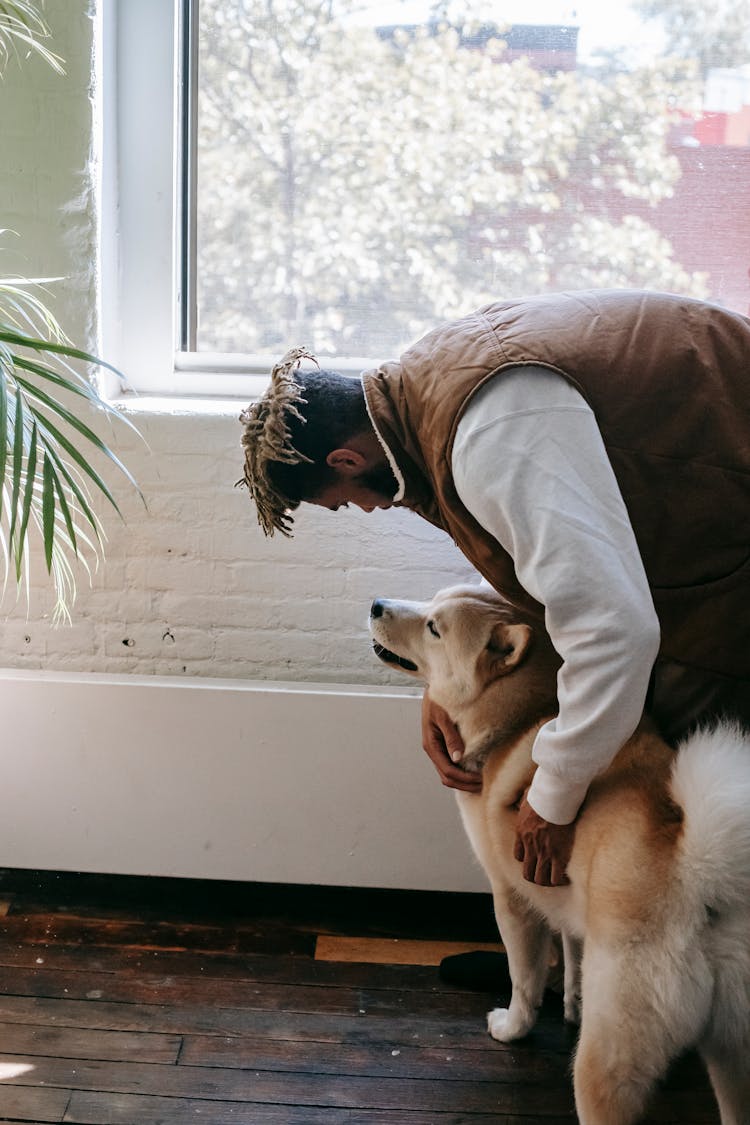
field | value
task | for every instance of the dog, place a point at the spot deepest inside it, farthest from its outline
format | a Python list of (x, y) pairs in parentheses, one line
[(655, 921)]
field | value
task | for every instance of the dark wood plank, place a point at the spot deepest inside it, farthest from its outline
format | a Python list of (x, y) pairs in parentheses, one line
[(84, 1043), (49, 929), (127, 1109), (150, 988), (32, 1105), (495, 1063)]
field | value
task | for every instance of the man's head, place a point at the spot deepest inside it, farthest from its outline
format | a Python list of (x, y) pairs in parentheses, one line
[(310, 439)]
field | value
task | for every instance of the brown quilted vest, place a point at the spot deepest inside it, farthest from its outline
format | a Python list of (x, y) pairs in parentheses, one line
[(668, 379)]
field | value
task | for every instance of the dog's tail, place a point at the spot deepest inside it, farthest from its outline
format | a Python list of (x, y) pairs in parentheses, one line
[(711, 780), (711, 783)]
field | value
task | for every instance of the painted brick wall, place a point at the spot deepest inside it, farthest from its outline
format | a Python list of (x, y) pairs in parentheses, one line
[(190, 586)]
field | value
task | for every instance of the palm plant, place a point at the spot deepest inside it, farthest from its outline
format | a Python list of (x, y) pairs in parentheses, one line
[(46, 477), (22, 28)]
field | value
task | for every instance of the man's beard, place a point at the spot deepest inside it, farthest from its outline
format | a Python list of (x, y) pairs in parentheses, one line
[(380, 479)]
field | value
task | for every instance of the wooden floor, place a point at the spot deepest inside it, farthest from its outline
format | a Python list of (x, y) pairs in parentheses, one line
[(137, 1002)]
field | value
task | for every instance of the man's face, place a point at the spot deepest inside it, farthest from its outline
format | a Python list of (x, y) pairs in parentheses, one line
[(373, 488)]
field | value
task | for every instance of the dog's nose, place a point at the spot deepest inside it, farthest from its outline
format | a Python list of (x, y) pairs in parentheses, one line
[(377, 608)]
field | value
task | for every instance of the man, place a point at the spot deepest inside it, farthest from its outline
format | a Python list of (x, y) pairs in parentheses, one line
[(589, 453)]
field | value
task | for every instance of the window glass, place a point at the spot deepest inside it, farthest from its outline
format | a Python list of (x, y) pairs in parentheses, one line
[(365, 171)]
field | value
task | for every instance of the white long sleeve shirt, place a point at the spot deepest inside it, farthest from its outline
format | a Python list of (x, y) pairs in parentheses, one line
[(530, 465)]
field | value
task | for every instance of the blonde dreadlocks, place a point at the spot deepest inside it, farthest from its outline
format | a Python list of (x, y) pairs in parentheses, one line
[(266, 438)]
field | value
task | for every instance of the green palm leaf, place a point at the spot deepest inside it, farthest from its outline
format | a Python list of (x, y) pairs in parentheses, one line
[(21, 24), (79, 495), (48, 444), (3, 430), (76, 423), (28, 494), (48, 512), (20, 339), (16, 450)]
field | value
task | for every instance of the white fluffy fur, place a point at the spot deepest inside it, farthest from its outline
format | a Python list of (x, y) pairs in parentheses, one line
[(711, 783)]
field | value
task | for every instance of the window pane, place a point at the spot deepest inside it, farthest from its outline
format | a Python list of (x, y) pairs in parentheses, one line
[(365, 171)]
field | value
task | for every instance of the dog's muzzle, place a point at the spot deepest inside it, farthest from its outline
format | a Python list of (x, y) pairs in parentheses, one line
[(389, 657), (377, 609)]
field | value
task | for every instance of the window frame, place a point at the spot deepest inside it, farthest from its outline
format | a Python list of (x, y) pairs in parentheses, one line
[(148, 211)]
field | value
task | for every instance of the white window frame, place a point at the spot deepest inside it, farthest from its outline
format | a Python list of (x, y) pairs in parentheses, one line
[(142, 291)]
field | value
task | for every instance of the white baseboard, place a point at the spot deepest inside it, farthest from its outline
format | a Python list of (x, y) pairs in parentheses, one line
[(297, 783)]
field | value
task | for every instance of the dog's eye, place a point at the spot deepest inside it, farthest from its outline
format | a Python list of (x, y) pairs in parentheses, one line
[(433, 628)]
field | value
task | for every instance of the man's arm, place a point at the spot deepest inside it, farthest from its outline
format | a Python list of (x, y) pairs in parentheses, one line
[(530, 465)]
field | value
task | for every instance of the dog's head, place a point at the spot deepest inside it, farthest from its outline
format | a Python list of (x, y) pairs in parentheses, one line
[(467, 644)]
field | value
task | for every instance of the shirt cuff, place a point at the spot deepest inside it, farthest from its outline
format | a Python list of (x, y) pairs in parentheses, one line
[(554, 798)]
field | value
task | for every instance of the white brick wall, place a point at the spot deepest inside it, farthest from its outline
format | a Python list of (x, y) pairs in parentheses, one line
[(190, 586)]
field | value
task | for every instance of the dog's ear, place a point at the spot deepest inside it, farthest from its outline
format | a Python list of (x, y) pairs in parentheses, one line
[(507, 647)]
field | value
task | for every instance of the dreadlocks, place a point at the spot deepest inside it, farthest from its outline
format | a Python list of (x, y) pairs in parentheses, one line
[(266, 438)]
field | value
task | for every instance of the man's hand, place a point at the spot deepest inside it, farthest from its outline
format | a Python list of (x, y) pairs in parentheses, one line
[(443, 744), (542, 847)]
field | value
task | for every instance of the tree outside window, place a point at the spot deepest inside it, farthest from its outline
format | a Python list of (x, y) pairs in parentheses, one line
[(358, 183)]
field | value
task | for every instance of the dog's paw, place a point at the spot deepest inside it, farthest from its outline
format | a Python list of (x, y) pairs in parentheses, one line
[(504, 1026)]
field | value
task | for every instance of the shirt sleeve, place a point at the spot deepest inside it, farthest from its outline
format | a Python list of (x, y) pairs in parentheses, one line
[(530, 465)]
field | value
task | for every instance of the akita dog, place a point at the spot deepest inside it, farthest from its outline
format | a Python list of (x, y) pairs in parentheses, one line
[(655, 922)]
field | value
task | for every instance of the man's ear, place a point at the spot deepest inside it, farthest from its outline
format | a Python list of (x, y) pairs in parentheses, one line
[(508, 647), (347, 462)]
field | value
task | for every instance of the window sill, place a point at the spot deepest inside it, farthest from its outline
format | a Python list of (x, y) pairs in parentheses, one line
[(231, 378), (179, 404)]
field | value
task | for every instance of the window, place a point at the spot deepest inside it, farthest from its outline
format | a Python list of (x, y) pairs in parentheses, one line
[(351, 173)]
